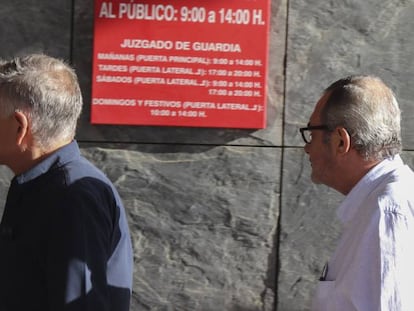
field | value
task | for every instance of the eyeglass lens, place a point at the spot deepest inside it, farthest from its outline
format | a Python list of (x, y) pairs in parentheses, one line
[(307, 136)]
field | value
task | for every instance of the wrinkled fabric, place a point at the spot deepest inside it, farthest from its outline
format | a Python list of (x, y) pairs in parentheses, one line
[(372, 268)]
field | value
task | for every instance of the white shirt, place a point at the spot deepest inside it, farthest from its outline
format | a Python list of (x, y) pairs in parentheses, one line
[(372, 268)]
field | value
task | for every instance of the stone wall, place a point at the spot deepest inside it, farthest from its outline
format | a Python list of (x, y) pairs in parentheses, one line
[(226, 219)]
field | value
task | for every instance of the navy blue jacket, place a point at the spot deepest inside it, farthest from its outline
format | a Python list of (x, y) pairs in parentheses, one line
[(64, 239)]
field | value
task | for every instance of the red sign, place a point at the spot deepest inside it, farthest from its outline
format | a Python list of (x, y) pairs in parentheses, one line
[(181, 63)]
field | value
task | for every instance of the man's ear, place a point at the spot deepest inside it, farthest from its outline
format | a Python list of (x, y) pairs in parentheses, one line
[(22, 127), (342, 140)]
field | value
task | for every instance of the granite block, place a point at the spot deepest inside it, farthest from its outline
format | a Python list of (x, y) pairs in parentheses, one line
[(330, 40), (35, 27), (203, 222), (308, 232), (5, 177)]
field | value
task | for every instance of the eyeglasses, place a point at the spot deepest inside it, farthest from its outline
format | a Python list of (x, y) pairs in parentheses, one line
[(307, 132)]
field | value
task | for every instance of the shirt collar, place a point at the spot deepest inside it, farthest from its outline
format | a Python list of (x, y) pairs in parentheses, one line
[(351, 204), (58, 158)]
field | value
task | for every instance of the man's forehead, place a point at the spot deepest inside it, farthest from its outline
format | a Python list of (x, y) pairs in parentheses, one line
[(319, 106)]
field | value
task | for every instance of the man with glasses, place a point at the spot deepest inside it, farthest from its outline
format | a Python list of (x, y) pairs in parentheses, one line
[(353, 140)]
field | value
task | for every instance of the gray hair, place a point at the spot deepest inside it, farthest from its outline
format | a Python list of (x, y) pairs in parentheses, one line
[(368, 110), (47, 90)]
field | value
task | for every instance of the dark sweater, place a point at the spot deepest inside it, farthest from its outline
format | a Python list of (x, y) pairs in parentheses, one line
[(64, 239)]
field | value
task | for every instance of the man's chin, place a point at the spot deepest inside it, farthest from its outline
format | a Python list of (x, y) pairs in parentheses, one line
[(315, 180)]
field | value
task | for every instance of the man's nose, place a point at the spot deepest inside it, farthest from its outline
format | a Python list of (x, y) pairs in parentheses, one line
[(306, 148)]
